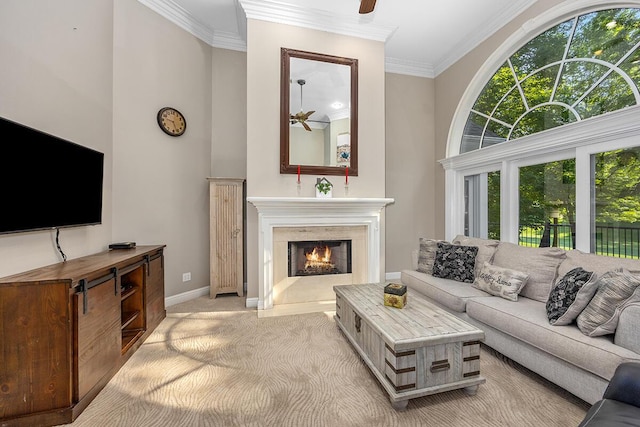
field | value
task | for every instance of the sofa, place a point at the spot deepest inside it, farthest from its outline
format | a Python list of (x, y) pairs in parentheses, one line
[(620, 404), (514, 293)]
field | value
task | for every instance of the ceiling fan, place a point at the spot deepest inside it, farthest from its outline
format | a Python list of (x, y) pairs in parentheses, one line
[(301, 117), (367, 6)]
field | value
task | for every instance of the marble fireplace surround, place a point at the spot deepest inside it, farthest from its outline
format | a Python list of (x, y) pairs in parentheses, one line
[(277, 212)]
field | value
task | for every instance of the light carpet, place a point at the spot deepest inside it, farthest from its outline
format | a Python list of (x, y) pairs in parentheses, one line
[(215, 363)]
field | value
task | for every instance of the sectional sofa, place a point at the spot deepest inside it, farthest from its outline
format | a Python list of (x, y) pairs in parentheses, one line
[(511, 292)]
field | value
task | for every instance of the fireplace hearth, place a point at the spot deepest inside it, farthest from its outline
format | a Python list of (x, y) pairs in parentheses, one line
[(319, 257)]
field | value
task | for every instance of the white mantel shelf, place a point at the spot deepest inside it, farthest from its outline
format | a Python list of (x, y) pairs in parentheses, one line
[(270, 204), (311, 211)]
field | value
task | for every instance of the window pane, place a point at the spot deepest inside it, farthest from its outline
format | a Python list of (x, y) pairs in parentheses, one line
[(539, 87), (547, 205), (631, 66), (616, 182), (472, 132), (545, 49), (511, 108), (577, 78), (611, 95), (546, 117), (606, 35), (501, 82), (482, 205)]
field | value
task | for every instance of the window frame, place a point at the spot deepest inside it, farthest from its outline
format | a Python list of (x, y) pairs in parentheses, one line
[(609, 131)]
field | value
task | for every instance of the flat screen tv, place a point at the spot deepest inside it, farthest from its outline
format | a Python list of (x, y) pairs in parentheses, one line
[(47, 182)]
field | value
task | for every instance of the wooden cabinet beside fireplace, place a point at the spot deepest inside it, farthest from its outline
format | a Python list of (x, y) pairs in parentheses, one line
[(226, 196), (67, 328)]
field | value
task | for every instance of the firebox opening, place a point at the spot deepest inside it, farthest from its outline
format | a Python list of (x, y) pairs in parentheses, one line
[(319, 257)]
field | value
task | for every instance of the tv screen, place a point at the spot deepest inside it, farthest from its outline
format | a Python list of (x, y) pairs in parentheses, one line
[(47, 182)]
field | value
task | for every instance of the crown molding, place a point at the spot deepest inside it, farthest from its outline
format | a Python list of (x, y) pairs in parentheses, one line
[(228, 40), (411, 68), (284, 13), (490, 28), (183, 19)]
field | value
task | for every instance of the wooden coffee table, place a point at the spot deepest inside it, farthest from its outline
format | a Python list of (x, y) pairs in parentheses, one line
[(415, 351)]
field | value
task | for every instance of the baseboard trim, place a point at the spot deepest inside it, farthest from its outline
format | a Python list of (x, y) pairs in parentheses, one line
[(186, 296)]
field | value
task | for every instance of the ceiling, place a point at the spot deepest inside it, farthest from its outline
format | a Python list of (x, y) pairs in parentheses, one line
[(422, 37)]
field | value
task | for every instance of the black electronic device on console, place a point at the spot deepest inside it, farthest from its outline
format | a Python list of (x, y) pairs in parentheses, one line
[(122, 245)]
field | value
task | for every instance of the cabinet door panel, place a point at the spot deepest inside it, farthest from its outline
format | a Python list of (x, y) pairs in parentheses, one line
[(155, 293), (35, 354), (98, 338)]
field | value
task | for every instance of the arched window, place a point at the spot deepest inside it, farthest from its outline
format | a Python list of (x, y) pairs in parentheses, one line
[(586, 66), (568, 94)]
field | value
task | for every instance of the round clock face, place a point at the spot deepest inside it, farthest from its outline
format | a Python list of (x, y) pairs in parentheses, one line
[(171, 121)]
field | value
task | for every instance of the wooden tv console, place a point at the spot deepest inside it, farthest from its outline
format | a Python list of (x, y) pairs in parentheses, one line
[(67, 328)]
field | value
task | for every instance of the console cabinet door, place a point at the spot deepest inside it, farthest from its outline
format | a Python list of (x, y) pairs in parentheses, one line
[(35, 348), (155, 292), (98, 337)]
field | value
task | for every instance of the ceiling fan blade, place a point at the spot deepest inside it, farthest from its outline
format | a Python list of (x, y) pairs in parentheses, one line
[(306, 126), (367, 6)]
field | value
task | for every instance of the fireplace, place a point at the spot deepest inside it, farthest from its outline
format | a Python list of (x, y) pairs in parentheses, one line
[(319, 257), (294, 219)]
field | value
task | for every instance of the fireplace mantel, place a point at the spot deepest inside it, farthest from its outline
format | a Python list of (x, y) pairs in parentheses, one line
[(276, 212)]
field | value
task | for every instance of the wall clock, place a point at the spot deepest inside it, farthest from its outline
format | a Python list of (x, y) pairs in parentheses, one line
[(171, 121)]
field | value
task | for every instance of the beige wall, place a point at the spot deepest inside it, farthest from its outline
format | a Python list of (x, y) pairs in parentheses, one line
[(160, 191), (264, 40), (451, 85), (229, 114), (56, 76), (410, 166)]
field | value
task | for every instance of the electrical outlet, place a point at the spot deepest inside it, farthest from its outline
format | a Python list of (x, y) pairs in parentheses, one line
[(186, 277)]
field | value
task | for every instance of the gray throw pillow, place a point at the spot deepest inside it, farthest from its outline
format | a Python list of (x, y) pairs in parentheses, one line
[(455, 262), (499, 281), (570, 295), (427, 254), (616, 290)]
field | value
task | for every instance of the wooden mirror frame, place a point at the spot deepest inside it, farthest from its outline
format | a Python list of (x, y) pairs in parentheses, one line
[(285, 111)]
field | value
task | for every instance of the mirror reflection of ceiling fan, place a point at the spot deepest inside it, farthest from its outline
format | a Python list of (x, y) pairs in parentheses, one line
[(367, 6), (301, 117)]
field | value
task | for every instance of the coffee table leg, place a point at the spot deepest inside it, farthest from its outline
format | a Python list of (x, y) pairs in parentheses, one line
[(471, 390), (400, 405)]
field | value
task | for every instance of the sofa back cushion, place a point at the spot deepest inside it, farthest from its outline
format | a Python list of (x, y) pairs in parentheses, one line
[(486, 249), (427, 254), (616, 290), (541, 264), (599, 264), (455, 262)]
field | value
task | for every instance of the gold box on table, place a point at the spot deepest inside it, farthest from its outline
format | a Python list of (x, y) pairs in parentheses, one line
[(395, 295)]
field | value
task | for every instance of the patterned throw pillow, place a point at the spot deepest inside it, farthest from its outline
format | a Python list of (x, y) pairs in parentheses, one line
[(570, 296), (455, 262), (427, 254), (500, 281), (616, 290)]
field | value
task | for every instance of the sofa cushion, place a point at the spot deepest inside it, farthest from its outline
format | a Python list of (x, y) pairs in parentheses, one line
[(526, 320), (599, 264), (499, 281), (540, 263), (448, 293), (616, 290), (570, 295), (455, 262), (427, 254), (486, 249)]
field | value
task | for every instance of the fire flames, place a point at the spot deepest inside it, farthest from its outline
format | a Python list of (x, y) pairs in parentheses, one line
[(319, 260)]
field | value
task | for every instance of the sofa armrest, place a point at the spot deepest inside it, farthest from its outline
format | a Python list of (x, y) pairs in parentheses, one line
[(628, 329), (625, 384)]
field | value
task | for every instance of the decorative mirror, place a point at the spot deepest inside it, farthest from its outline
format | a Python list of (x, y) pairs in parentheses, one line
[(318, 114)]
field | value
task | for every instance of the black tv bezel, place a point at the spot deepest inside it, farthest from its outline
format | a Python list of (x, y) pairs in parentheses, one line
[(19, 127)]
